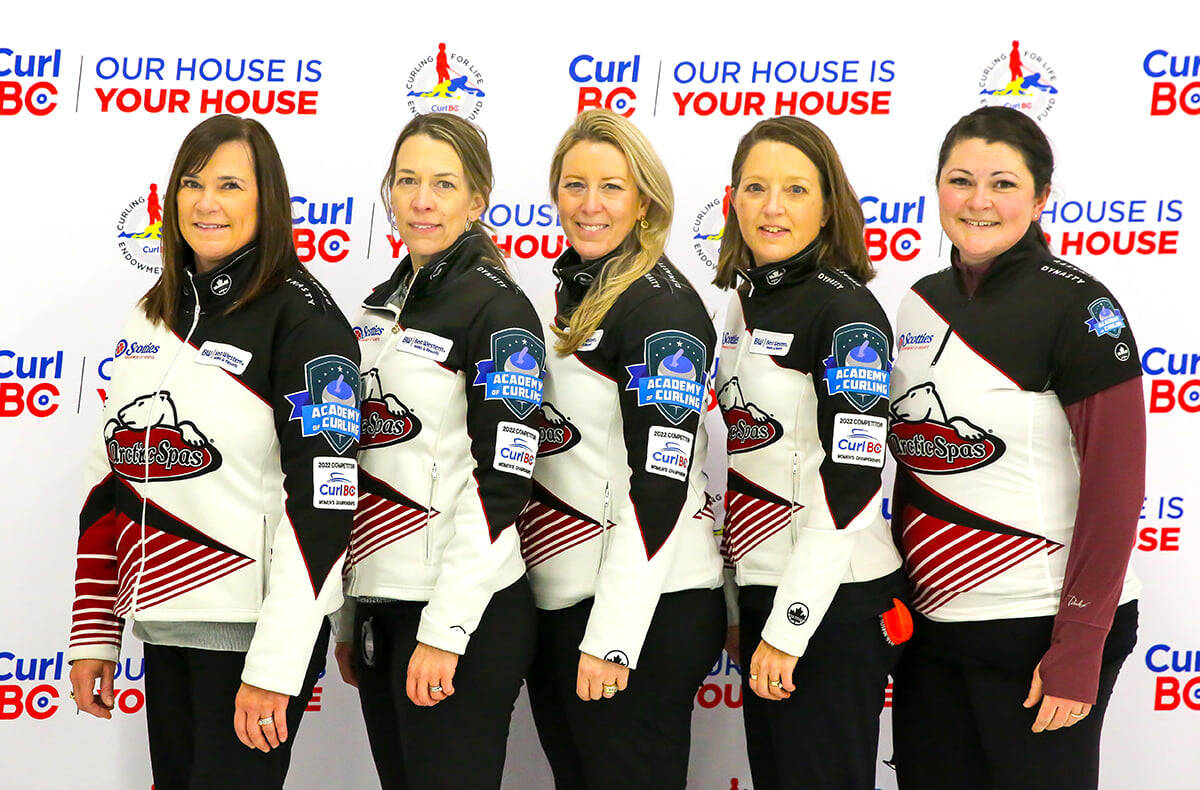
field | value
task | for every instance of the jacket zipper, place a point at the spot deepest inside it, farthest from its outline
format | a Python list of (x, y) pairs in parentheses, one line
[(428, 510), (604, 526), (792, 503)]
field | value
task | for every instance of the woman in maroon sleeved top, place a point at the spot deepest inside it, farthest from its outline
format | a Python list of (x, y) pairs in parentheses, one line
[(1018, 425)]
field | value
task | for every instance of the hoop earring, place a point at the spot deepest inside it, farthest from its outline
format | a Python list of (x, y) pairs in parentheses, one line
[(642, 221)]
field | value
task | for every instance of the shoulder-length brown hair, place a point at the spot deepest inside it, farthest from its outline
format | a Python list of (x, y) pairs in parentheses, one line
[(276, 247), (841, 238)]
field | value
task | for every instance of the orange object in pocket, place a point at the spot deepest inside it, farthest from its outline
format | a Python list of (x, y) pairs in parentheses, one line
[(896, 623)]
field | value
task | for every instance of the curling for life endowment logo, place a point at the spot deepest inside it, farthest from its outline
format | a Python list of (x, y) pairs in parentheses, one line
[(1020, 79), (445, 82), (708, 227), (859, 368), (139, 232), (514, 373), (330, 404), (672, 377)]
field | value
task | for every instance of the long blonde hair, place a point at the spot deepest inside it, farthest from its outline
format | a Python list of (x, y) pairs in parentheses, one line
[(642, 248)]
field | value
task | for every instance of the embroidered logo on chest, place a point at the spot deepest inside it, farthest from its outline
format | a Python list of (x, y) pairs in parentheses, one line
[(176, 449), (926, 440), (385, 420), (750, 428)]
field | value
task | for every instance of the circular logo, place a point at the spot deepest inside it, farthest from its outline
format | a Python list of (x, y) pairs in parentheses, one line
[(139, 232), (707, 229), (617, 657), (1121, 352), (584, 278), (445, 81), (797, 614), (1021, 79), (774, 276), (220, 284)]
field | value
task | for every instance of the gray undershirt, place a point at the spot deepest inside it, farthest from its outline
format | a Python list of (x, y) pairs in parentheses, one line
[(234, 637)]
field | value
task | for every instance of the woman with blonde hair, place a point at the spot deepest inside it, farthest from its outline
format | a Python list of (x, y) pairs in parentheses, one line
[(618, 535)]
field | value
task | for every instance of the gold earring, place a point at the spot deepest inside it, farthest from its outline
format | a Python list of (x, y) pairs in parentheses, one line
[(642, 221)]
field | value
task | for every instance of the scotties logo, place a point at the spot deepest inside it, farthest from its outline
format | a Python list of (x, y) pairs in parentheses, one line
[(514, 373), (139, 232), (329, 404), (445, 82), (925, 440), (176, 449), (1019, 79), (749, 426), (859, 368), (556, 434), (385, 420), (708, 227), (1105, 319), (673, 376)]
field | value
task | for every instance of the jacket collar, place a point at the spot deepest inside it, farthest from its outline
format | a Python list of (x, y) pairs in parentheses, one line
[(787, 272), (575, 275), (1029, 249), (466, 251), (220, 287)]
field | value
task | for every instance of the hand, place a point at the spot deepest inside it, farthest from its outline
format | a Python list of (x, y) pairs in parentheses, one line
[(252, 704), (733, 637), (343, 653), (84, 672), (769, 664), (429, 668), (1055, 712), (596, 673)]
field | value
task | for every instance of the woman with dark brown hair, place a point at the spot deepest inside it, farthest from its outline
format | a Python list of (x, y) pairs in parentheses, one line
[(221, 491), (803, 388)]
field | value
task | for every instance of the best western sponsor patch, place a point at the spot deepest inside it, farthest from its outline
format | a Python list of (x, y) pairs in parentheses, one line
[(425, 344), (774, 344), (223, 355)]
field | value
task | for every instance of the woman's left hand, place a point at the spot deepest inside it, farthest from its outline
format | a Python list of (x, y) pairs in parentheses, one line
[(596, 673), (1055, 712), (771, 664), (431, 675), (253, 704)]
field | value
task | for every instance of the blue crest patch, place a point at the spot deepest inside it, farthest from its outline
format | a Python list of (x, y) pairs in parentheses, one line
[(330, 404), (859, 368), (514, 373), (1105, 319), (672, 377)]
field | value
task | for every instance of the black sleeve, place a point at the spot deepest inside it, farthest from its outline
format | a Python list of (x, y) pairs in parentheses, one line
[(1094, 348)]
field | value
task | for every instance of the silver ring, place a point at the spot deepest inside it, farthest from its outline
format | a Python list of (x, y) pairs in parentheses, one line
[(434, 689), (776, 683), (1076, 715), (266, 721)]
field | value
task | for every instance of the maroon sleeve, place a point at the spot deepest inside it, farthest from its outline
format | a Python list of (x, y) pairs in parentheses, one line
[(1110, 434)]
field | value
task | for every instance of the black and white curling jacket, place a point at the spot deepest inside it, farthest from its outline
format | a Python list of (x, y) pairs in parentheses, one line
[(803, 388), (619, 510), (452, 380), (222, 488)]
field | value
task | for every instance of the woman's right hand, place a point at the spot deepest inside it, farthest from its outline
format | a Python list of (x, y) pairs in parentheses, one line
[(344, 652), (84, 672)]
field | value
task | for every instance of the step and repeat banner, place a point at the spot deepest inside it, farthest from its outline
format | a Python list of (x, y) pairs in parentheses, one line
[(93, 108)]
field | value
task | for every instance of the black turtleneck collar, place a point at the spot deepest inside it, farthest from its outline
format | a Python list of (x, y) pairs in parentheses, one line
[(786, 272), (1029, 249), (222, 285), (576, 275), (467, 250)]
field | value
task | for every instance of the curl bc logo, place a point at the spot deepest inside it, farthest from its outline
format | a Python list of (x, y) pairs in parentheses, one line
[(35, 98), (1176, 382)]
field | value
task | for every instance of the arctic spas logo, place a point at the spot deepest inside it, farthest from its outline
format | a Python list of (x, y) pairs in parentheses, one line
[(148, 441), (1176, 85), (514, 373), (27, 81), (1020, 79), (329, 404), (926, 440), (139, 232), (749, 426), (556, 434), (708, 228), (859, 367), (672, 377), (385, 420), (445, 82)]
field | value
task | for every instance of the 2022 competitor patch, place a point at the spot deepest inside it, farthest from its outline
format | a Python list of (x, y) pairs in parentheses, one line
[(330, 403), (668, 452), (672, 378), (335, 483), (514, 373), (516, 449), (859, 439)]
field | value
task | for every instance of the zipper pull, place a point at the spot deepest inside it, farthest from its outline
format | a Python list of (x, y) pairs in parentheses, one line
[(435, 470), (396, 327)]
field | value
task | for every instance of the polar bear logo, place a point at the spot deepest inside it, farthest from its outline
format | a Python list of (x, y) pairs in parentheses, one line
[(552, 415), (373, 390), (923, 404), (154, 410)]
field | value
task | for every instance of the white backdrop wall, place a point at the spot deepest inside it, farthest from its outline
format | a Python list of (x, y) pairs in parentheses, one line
[(94, 102)]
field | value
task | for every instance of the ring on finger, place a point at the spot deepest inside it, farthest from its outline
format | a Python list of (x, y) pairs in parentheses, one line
[(266, 721), (611, 689), (71, 695), (434, 689), (775, 683), (1077, 715), (753, 676)]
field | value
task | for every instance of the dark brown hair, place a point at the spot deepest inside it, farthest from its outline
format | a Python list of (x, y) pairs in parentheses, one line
[(276, 248), (1016, 130), (841, 238)]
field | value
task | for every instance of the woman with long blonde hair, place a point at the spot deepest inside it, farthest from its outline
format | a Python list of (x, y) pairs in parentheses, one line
[(617, 535)]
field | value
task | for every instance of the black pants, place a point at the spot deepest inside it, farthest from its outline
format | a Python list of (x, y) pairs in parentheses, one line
[(460, 742), (189, 716), (958, 720), (826, 734), (639, 739)]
